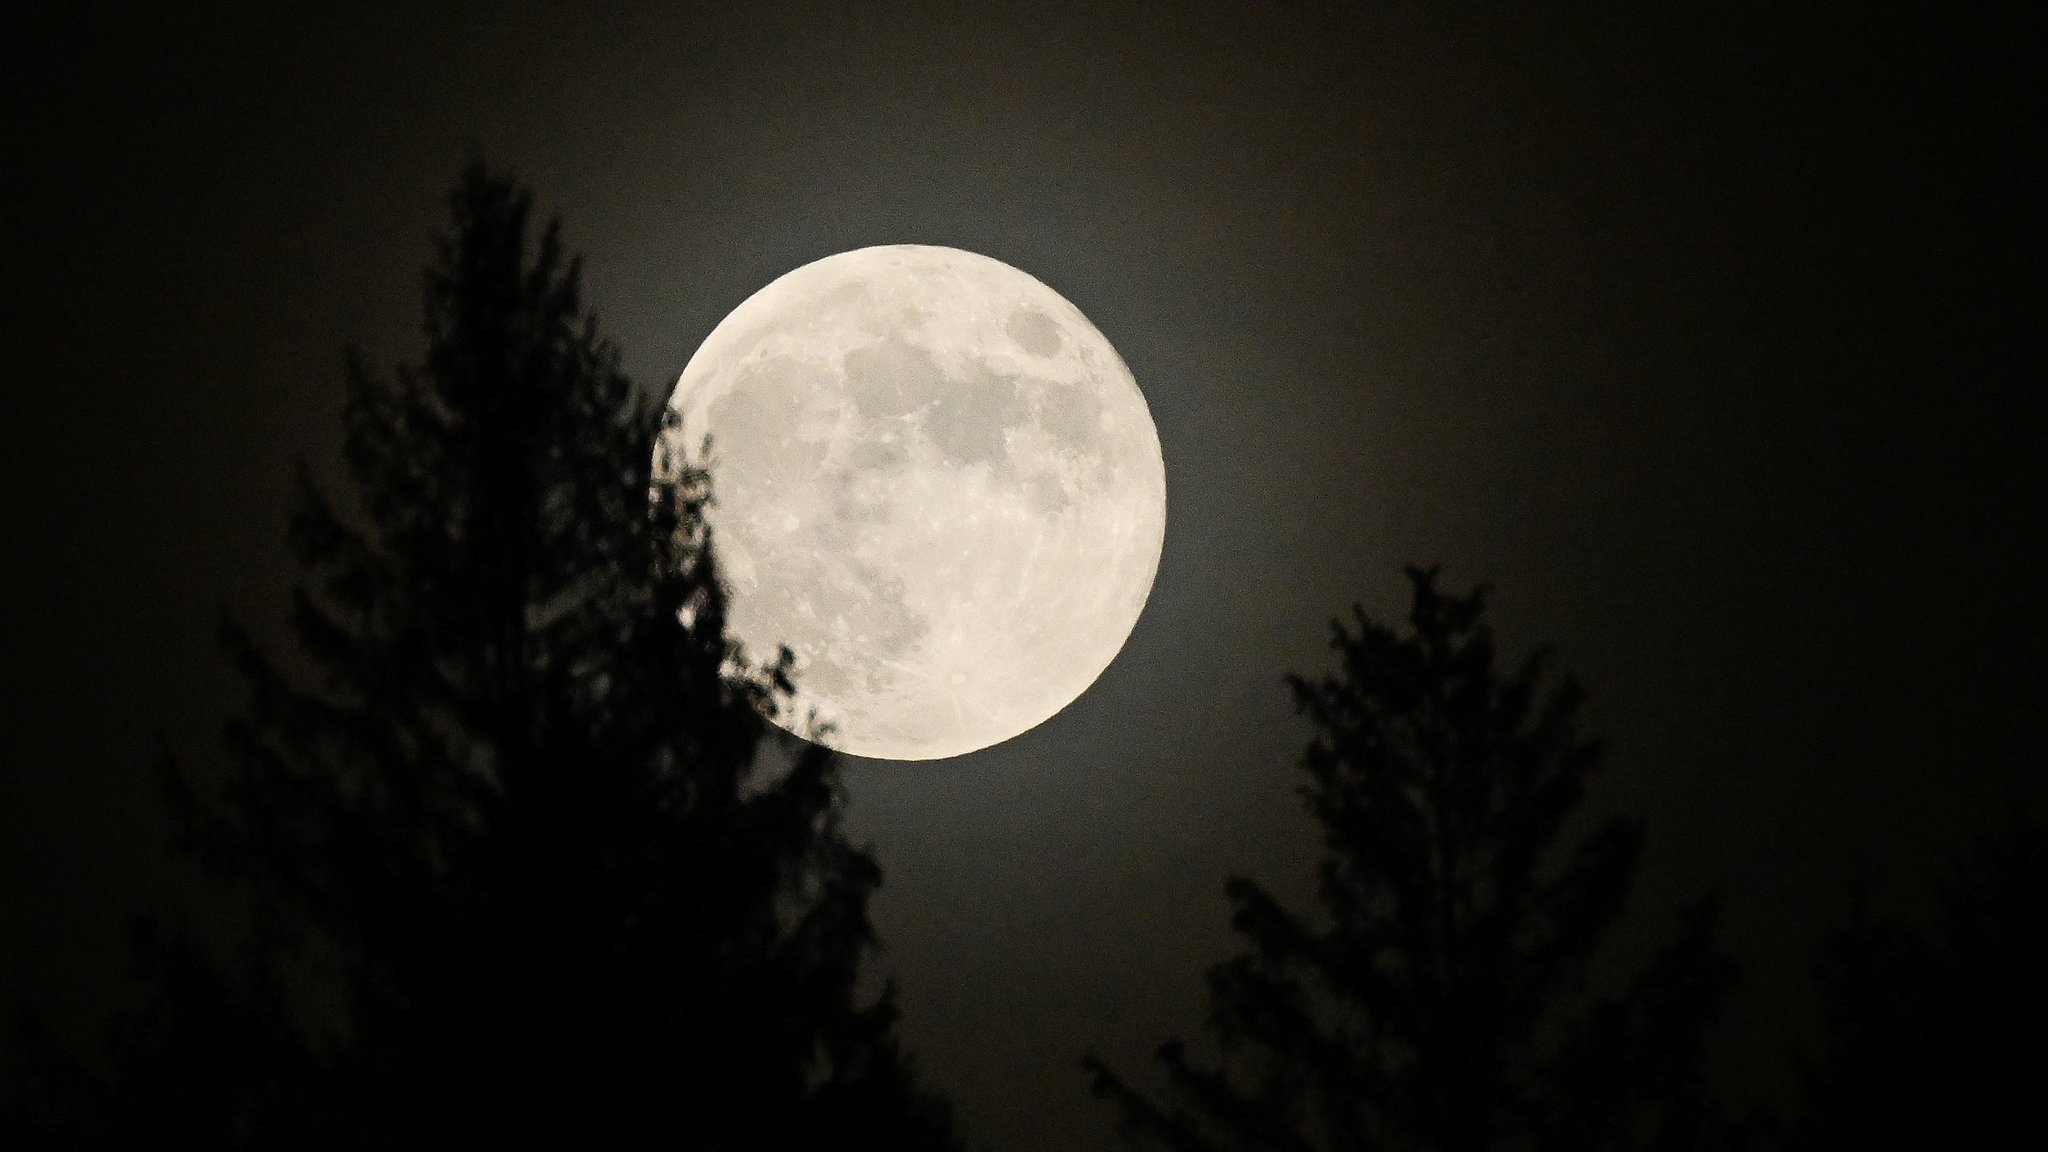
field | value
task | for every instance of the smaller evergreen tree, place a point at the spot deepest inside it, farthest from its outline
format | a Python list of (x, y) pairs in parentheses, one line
[(1443, 1003), (1935, 1039)]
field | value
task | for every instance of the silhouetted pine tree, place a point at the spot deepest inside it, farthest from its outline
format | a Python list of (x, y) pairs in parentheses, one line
[(1936, 1040), (523, 864), (1442, 1002)]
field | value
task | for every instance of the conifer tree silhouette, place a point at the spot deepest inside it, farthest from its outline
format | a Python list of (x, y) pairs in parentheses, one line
[(1935, 1038), (1441, 1003), (524, 861)]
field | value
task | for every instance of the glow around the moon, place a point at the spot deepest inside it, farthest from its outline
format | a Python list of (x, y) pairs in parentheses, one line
[(937, 483)]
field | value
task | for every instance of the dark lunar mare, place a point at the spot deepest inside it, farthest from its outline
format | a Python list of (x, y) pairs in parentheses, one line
[(1034, 331)]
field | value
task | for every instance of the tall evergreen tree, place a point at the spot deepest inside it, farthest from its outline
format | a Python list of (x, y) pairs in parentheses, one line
[(523, 860), (1443, 1002)]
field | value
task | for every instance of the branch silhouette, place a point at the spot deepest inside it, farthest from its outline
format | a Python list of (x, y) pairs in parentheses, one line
[(1934, 1038)]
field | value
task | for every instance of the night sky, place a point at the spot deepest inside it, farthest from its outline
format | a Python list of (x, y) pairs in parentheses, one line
[(1712, 339)]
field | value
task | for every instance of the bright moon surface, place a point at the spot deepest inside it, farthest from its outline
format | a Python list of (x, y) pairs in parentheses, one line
[(937, 483)]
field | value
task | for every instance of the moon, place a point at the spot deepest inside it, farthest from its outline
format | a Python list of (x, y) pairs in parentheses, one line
[(934, 481)]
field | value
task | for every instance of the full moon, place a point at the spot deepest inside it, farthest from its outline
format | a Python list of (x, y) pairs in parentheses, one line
[(936, 483)]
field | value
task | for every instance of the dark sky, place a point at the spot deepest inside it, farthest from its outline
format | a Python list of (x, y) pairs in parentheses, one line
[(1713, 339)]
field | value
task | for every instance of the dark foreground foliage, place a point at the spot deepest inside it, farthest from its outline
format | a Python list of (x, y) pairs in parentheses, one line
[(521, 860), (1440, 1002), (1940, 1039)]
